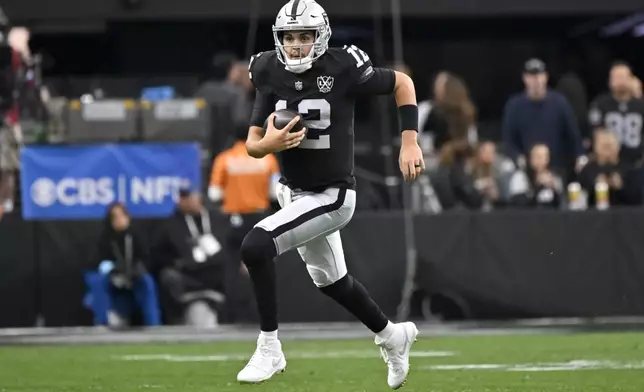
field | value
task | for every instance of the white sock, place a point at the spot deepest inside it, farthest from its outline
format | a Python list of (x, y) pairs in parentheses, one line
[(269, 335), (386, 333)]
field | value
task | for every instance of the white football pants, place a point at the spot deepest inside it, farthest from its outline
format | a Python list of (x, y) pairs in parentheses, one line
[(311, 222)]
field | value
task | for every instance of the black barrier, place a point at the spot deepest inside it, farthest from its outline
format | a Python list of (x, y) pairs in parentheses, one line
[(500, 265), (67, 249), (88, 12), (18, 273), (546, 263)]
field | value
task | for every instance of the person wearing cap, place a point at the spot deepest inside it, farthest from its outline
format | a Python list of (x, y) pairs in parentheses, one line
[(540, 115), (189, 259)]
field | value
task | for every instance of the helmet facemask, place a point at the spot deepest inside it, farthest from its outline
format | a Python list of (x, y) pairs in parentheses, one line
[(319, 46)]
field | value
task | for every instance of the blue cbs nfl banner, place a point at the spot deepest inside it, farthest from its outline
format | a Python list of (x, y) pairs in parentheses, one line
[(79, 182)]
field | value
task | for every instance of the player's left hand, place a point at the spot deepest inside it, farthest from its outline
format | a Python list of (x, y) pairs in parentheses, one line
[(411, 161)]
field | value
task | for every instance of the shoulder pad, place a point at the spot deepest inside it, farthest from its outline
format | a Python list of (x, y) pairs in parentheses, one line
[(258, 67), (357, 62)]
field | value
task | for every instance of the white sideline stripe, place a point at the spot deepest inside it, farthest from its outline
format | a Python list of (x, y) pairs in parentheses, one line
[(575, 365), (300, 355)]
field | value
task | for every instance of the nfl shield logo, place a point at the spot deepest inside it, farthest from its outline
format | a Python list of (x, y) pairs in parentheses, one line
[(325, 84), (298, 85)]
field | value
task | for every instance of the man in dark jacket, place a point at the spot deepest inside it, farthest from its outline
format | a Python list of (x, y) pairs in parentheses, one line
[(189, 262), (542, 116)]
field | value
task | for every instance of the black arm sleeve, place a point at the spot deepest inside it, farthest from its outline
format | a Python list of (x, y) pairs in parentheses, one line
[(376, 81), (264, 106)]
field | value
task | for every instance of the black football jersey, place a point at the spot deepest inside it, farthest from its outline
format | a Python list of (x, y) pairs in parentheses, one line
[(325, 97), (625, 119)]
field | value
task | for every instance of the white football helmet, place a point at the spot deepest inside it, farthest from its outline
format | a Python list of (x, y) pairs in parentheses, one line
[(298, 15)]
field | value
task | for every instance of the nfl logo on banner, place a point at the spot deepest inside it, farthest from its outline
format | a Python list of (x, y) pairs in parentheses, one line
[(80, 182), (325, 84)]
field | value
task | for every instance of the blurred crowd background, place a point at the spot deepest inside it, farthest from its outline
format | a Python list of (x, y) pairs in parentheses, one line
[(513, 110)]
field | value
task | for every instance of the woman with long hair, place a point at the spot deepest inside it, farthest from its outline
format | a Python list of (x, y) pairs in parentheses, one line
[(452, 115), (538, 185), (122, 283), (457, 108)]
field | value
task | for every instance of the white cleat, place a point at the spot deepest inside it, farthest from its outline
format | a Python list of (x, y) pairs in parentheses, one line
[(267, 360), (395, 352)]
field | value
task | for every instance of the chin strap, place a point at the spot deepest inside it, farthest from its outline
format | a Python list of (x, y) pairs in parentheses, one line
[(305, 67)]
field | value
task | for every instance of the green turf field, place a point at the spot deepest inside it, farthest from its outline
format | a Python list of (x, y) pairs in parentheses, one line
[(545, 363)]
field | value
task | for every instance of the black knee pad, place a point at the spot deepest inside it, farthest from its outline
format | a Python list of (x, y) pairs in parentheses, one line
[(258, 247), (339, 289)]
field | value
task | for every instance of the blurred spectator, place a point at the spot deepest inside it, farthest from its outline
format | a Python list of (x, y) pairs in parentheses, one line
[(476, 179), (30, 112), (122, 284), (571, 86), (246, 186), (540, 115), (7, 155), (492, 174), (227, 91), (452, 187), (190, 262), (451, 115), (10, 132), (621, 112), (605, 166), (24, 113), (6, 74), (538, 186)]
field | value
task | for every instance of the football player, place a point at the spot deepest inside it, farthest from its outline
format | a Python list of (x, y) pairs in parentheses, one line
[(621, 112), (317, 193)]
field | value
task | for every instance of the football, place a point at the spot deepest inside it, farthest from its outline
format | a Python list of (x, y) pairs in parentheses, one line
[(283, 117)]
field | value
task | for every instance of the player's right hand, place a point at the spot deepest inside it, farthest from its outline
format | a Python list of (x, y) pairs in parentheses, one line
[(276, 140)]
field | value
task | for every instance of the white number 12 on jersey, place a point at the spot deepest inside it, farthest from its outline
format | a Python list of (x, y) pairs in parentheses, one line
[(323, 141), (360, 56)]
